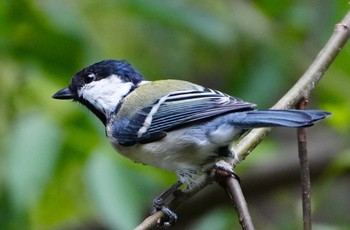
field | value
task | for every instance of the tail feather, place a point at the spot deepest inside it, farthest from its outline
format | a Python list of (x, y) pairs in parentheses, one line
[(270, 118)]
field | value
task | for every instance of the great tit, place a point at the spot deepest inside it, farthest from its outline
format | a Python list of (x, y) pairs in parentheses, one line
[(171, 124)]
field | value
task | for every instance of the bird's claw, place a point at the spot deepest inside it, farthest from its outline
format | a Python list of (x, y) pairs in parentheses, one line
[(157, 205), (169, 218), (224, 169)]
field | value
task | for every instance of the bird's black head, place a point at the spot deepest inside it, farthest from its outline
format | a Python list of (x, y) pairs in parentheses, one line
[(101, 86)]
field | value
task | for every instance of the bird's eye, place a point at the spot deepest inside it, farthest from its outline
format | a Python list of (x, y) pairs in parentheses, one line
[(89, 78)]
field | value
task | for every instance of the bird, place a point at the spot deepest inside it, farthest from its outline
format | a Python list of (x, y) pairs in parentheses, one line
[(171, 124)]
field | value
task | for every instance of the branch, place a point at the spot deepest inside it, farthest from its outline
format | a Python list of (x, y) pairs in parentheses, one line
[(235, 192), (151, 221), (304, 172), (231, 184), (300, 90)]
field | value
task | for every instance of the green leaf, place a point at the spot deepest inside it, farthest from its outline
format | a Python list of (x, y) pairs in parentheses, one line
[(183, 16), (32, 152), (30, 36), (115, 191), (217, 219)]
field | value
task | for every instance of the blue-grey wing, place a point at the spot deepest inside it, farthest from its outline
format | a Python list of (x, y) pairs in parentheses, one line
[(175, 110)]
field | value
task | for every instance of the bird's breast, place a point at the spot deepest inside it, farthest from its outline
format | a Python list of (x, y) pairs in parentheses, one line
[(180, 150)]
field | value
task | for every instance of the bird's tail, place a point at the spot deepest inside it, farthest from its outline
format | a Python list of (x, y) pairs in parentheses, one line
[(270, 118)]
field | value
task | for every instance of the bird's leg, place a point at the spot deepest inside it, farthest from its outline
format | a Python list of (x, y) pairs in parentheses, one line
[(159, 204), (159, 201)]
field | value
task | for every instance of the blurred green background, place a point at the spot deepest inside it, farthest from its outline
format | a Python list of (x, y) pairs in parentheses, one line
[(57, 170)]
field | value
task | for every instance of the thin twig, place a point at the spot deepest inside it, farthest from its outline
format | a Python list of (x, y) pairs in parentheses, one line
[(227, 179), (235, 192), (150, 222), (301, 89), (304, 172)]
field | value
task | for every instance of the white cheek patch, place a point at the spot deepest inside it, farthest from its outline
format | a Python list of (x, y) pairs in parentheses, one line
[(105, 94)]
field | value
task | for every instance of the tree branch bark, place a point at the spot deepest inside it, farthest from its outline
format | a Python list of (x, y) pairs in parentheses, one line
[(300, 90), (304, 172), (235, 192)]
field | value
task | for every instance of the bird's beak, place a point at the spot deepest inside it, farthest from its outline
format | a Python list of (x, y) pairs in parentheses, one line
[(63, 94)]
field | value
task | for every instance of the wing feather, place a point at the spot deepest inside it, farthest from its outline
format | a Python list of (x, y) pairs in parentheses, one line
[(177, 109)]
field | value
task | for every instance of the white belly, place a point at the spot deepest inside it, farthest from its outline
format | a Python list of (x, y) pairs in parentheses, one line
[(184, 151), (176, 152)]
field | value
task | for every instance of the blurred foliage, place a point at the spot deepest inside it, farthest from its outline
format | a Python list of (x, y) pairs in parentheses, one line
[(57, 170)]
